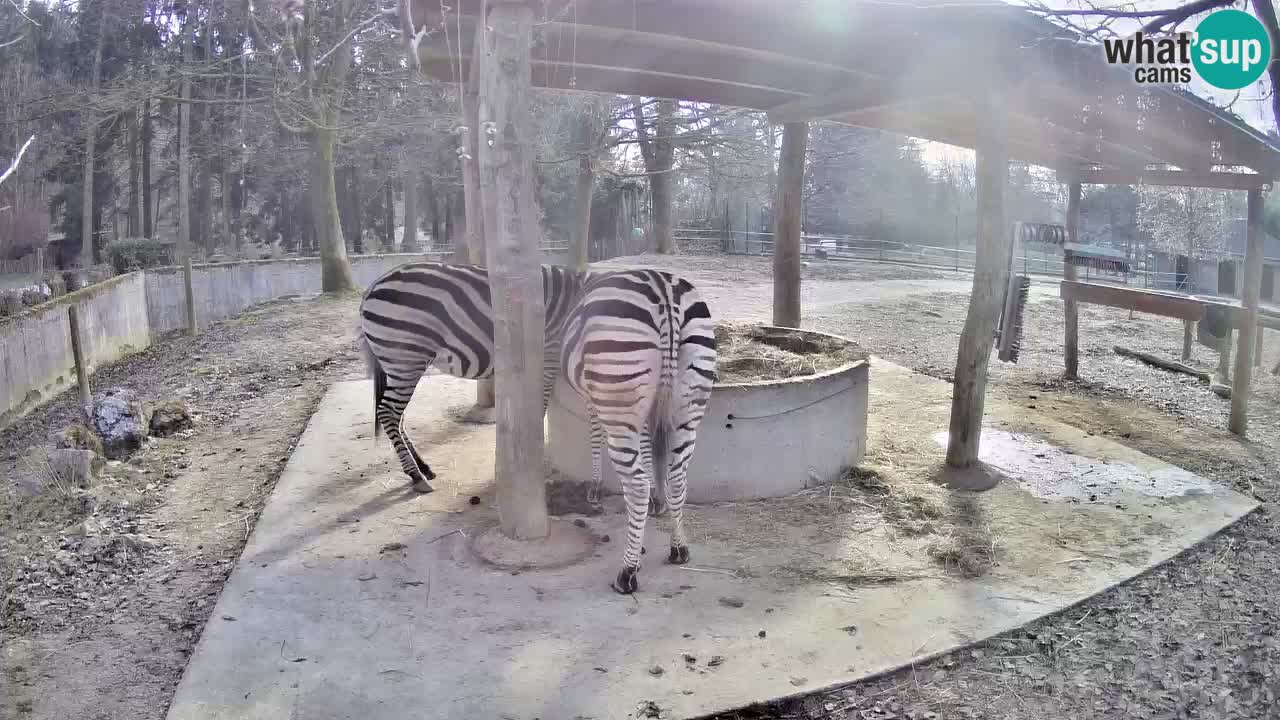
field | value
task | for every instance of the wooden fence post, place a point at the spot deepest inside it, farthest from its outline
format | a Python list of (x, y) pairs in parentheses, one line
[(1188, 332), (82, 370), (191, 296)]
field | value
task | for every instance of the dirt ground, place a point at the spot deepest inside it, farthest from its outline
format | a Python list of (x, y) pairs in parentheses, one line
[(101, 626), (105, 633), (1196, 638)]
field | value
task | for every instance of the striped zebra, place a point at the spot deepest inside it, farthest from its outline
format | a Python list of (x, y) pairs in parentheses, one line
[(423, 314), (640, 349)]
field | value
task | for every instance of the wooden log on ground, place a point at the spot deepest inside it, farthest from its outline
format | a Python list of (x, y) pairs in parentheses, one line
[(1170, 365), (515, 275), (1071, 341)]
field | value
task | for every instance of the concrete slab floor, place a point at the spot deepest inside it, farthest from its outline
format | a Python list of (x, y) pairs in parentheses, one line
[(357, 598)]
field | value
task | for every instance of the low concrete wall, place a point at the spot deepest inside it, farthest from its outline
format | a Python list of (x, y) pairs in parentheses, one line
[(120, 316), (36, 362), (758, 440)]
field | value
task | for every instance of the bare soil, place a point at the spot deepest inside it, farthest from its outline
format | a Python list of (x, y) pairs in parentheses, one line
[(1196, 638), (106, 633), (107, 590)]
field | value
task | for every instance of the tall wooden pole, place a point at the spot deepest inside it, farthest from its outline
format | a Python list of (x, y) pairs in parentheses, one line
[(990, 275), (1238, 422), (515, 275), (473, 202), (787, 225), (1071, 343)]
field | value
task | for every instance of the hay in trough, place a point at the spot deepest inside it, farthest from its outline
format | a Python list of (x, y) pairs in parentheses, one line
[(751, 353)]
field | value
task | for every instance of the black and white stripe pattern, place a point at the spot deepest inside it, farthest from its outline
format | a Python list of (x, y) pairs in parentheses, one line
[(423, 314), (640, 348)]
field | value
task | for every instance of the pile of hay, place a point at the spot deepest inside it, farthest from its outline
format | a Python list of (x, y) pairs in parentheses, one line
[(751, 353)]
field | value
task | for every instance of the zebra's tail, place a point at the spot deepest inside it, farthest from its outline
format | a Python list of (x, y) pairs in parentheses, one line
[(379, 381)]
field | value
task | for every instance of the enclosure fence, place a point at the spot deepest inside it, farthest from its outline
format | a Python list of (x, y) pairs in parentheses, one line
[(1046, 260)]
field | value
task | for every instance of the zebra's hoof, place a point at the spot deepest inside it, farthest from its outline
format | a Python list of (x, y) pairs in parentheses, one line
[(422, 486), (679, 555), (626, 582)]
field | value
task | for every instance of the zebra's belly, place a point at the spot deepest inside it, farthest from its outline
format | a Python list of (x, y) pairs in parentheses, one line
[(447, 362)]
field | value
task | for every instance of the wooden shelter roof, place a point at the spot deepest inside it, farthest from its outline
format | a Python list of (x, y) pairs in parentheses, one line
[(924, 69)]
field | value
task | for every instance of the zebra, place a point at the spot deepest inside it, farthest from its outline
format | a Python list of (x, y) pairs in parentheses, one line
[(640, 348), (430, 313)]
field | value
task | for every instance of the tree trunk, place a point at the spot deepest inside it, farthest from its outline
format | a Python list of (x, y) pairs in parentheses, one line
[(787, 221), (388, 215), (989, 280), (1071, 332), (335, 271), (146, 168), (90, 147), (477, 206), (1250, 296), (184, 151), (409, 240), (580, 254), (132, 223), (515, 277)]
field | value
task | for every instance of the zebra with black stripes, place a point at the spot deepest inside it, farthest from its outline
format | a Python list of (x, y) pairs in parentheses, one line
[(423, 314), (640, 348)]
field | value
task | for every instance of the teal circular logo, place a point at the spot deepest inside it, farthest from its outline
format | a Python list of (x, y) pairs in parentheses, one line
[(1232, 49)]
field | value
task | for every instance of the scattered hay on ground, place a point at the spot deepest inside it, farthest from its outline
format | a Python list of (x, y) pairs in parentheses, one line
[(752, 353)]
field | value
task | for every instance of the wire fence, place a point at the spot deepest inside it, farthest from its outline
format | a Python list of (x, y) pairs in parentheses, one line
[(1042, 260)]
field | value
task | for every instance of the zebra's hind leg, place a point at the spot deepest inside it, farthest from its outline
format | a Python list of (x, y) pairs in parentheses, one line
[(391, 402), (629, 461), (597, 447)]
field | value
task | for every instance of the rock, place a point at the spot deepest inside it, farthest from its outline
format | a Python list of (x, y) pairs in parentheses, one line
[(77, 436), (77, 468), (169, 417), (118, 421)]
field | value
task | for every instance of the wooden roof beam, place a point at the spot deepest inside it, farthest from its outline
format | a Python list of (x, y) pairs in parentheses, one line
[(1170, 178)]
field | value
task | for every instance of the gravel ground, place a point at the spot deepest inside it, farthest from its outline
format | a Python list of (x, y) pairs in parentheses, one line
[(1196, 638), (107, 634)]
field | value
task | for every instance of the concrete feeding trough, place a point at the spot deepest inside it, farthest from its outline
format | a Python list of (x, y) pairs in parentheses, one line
[(789, 413)]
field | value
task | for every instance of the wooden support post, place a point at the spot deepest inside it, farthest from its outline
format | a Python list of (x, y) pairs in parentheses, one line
[(1224, 359), (1238, 422), (1257, 345), (1188, 334), (515, 275), (473, 201), (1071, 341), (991, 268), (191, 296), (82, 370), (787, 226)]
